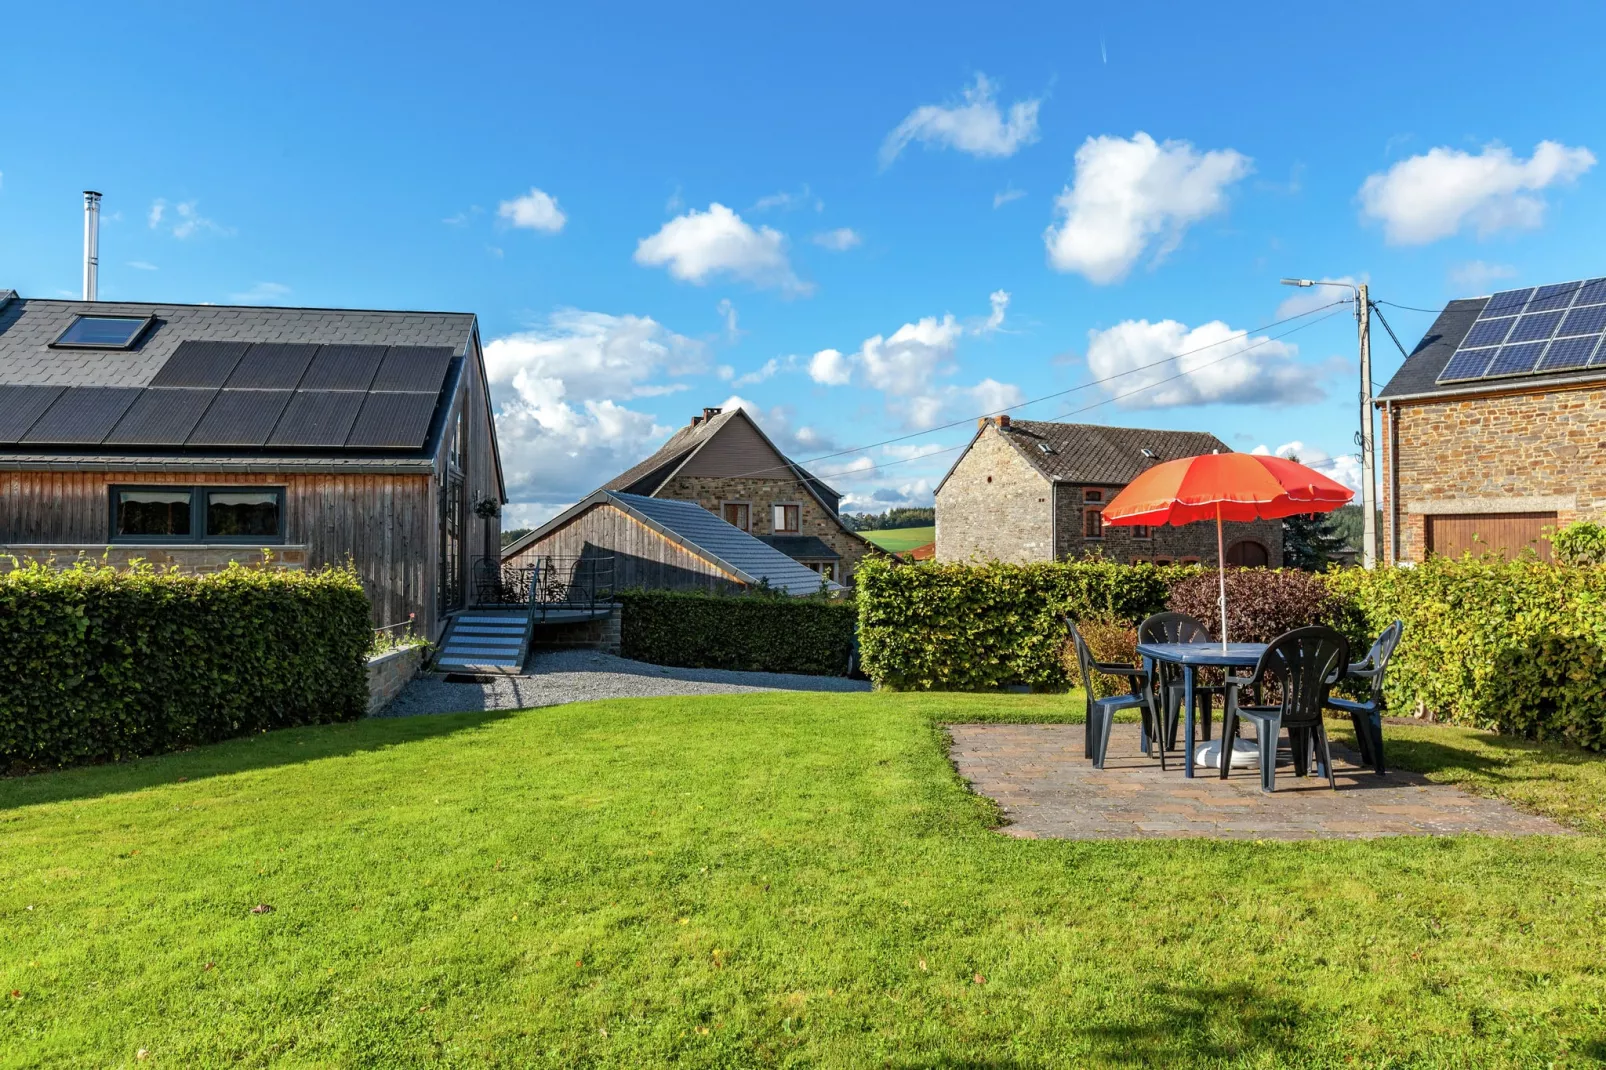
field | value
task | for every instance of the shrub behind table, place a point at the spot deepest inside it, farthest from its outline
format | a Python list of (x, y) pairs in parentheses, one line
[(754, 633), (107, 664)]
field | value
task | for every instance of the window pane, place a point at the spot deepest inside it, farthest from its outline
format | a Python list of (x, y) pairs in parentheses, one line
[(162, 513), (101, 331), (785, 518), (242, 513)]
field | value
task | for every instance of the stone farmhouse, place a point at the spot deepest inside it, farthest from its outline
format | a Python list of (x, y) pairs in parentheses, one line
[(1494, 428), (1027, 490), (725, 463)]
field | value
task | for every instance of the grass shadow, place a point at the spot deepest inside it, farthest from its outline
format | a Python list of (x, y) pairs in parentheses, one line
[(266, 750), (1210, 1023)]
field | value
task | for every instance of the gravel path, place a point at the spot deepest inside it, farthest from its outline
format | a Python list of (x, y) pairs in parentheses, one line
[(579, 675)]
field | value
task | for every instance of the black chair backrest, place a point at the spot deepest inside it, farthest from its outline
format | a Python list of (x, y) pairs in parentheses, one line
[(1380, 653), (1084, 660), (1306, 663), (1173, 628)]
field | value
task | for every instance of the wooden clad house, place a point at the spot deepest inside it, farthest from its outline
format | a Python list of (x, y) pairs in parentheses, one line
[(192, 435)]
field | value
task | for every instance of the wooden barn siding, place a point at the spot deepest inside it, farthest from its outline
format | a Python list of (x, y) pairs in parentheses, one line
[(480, 482), (643, 557), (381, 521)]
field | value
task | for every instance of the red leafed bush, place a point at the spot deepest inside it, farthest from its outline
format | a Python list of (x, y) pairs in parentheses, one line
[(1261, 603)]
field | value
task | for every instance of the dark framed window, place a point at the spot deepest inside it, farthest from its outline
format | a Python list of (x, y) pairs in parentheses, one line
[(253, 515), (103, 332), (786, 518), (1092, 494), (1093, 523), (1141, 531), (737, 514)]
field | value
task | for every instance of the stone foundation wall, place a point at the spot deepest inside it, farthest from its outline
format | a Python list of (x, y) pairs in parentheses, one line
[(601, 634), (389, 673)]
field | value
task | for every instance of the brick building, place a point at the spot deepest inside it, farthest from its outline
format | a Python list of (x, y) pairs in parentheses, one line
[(724, 462), (1494, 429), (1026, 490)]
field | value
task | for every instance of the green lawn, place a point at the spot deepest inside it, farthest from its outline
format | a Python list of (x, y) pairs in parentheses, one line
[(753, 880), (897, 540)]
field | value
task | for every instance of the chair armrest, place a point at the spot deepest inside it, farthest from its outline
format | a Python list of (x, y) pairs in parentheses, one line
[(1239, 681), (1362, 668)]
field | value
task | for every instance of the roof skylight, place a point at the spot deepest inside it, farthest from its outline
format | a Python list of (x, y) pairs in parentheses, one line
[(103, 332)]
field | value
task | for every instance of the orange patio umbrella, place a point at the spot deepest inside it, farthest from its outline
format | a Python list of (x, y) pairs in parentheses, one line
[(1224, 486)]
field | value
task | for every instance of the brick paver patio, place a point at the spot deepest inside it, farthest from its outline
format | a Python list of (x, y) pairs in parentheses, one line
[(1047, 789)]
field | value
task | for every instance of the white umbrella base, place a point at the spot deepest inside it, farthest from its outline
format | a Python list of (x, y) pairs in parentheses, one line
[(1245, 755)]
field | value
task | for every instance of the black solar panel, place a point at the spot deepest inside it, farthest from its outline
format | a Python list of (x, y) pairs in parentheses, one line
[(1467, 364), (240, 418), (1557, 295), (1593, 292), (161, 417), (1506, 303), (394, 421), (1589, 320), (343, 368), (1488, 332), (272, 366), (1566, 354), (1533, 328), (420, 368), (319, 418), (200, 364), (1515, 360), (20, 406), (82, 415)]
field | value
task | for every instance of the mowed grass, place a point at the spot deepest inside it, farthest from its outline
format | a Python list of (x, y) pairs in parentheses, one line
[(897, 540), (776, 879)]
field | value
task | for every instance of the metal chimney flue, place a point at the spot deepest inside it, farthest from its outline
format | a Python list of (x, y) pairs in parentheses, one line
[(91, 244)]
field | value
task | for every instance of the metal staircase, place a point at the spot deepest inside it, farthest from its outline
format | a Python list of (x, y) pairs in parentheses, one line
[(486, 640), (495, 635)]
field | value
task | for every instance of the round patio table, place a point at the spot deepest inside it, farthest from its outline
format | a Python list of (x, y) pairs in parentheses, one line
[(1190, 656)]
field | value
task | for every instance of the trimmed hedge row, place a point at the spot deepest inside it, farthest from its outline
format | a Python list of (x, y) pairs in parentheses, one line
[(937, 627), (105, 663), (746, 632)]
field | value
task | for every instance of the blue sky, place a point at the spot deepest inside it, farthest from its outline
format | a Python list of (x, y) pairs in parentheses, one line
[(862, 222)]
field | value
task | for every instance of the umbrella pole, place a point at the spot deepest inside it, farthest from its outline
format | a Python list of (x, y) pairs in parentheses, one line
[(1221, 573)]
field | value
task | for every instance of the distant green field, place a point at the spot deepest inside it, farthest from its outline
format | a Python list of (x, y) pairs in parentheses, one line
[(900, 539)]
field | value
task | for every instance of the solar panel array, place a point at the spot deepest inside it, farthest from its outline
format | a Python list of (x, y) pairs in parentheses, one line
[(234, 395), (1536, 331)]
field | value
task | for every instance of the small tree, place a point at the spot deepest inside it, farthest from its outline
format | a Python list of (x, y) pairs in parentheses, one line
[(1309, 541)]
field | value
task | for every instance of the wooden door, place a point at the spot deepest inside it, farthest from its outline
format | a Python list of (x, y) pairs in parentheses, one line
[(1247, 553), (1505, 533)]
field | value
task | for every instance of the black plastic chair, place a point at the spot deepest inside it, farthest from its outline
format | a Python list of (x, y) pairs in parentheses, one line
[(1367, 715), (1305, 664), (487, 576), (1101, 711), (1168, 685)]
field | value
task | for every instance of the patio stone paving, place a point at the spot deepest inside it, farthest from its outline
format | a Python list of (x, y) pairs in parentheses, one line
[(1048, 789)]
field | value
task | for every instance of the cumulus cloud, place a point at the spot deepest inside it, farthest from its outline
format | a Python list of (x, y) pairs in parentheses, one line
[(1220, 366), (999, 299), (839, 240), (700, 245), (183, 221), (1432, 196), (916, 353), (973, 124), (563, 418), (1345, 468), (536, 210), (830, 367), (1478, 276), (1133, 195)]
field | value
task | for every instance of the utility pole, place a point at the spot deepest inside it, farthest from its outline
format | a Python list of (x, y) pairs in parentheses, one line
[(1363, 314)]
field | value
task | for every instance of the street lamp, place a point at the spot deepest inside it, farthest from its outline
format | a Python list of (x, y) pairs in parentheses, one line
[(1363, 307)]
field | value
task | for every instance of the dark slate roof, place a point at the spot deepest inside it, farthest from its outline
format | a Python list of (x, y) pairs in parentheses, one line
[(698, 531), (801, 547), (1420, 372), (244, 385), (1090, 453)]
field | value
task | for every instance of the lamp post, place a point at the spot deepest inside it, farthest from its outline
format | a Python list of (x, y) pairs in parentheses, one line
[(1363, 318)]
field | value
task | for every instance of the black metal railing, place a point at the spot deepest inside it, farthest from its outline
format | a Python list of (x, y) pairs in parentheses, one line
[(551, 583)]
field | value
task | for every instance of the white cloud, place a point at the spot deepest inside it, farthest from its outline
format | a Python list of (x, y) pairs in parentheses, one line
[(1477, 276), (536, 210), (699, 245), (727, 311), (999, 299), (867, 497), (839, 240), (263, 293), (906, 363), (141, 265), (1131, 195), (974, 125), (1222, 366), (562, 418), (1432, 196), (758, 375), (184, 221), (831, 368), (1310, 298), (1345, 469), (785, 201), (1007, 194)]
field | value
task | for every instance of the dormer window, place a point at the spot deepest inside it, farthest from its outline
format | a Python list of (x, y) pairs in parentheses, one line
[(103, 332)]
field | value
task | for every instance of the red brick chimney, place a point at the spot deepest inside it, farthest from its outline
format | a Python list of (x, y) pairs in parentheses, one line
[(1003, 423)]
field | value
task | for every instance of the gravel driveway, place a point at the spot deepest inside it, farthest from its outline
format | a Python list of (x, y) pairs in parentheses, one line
[(578, 675)]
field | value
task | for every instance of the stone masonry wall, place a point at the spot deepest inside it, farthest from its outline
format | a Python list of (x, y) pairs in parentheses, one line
[(1539, 451), (389, 673), (1189, 543), (760, 495), (994, 506)]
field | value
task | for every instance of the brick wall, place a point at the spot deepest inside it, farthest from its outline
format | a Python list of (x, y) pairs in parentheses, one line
[(1539, 451), (994, 506), (760, 494)]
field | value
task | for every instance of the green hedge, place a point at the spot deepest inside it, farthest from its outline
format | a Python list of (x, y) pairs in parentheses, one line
[(753, 633), (979, 627), (106, 664)]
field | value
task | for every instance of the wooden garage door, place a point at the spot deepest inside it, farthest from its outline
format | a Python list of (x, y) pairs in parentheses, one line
[(1507, 533)]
